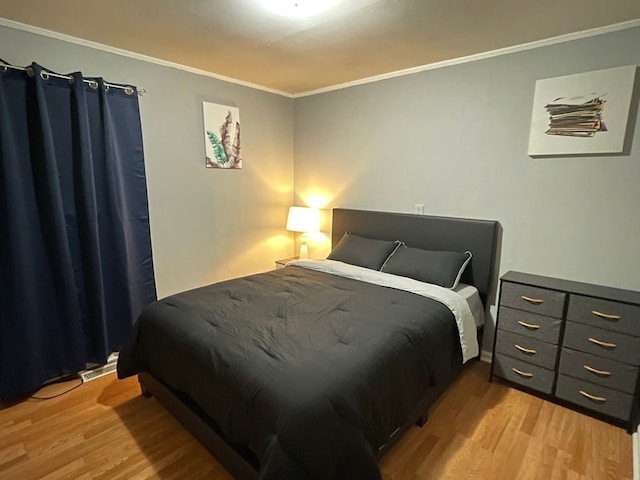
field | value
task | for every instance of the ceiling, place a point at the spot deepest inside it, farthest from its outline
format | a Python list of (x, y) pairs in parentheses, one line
[(355, 40)]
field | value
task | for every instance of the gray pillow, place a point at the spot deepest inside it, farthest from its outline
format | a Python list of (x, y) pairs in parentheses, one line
[(436, 267), (362, 251)]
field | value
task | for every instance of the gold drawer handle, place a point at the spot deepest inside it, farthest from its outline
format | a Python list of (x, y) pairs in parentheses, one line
[(532, 300), (601, 343), (525, 350), (606, 315), (531, 326), (604, 373), (521, 373), (592, 397)]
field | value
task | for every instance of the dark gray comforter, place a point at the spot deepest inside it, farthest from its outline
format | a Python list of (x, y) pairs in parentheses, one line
[(312, 370)]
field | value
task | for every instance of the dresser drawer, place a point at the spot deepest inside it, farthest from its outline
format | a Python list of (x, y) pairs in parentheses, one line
[(527, 349), (529, 324), (603, 343), (605, 372), (532, 376), (594, 397), (620, 317), (533, 299)]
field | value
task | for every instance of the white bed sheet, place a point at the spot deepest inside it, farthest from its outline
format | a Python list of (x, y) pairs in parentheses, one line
[(472, 296)]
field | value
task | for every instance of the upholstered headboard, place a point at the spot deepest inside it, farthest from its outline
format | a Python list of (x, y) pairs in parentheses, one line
[(480, 237)]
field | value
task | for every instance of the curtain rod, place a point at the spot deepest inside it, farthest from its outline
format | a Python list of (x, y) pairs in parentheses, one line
[(92, 83)]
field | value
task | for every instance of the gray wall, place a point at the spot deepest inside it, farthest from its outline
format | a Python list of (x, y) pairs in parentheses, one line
[(456, 138), (206, 225)]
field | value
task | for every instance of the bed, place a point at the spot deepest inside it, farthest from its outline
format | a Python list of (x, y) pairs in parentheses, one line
[(314, 370)]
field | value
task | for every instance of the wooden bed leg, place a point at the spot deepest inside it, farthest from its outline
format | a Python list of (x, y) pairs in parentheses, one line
[(145, 393), (144, 390), (422, 420)]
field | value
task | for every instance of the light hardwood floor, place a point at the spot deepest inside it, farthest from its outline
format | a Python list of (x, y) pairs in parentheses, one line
[(477, 430)]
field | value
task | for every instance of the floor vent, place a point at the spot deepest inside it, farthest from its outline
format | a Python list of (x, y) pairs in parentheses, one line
[(98, 372)]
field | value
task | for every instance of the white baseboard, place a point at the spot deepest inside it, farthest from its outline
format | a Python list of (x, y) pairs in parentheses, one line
[(487, 357), (636, 455)]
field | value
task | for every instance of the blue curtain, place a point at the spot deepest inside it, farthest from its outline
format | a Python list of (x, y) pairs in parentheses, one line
[(75, 251)]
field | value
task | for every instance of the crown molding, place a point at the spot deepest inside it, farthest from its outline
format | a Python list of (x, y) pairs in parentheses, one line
[(385, 76), (479, 56), (136, 56)]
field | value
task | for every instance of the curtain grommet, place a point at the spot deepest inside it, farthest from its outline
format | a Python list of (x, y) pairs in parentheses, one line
[(128, 90), (30, 72), (93, 84), (3, 68), (106, 87), (72, 80), (44, 75)]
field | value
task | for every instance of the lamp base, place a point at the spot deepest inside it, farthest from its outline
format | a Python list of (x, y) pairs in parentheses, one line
[(304, 251)]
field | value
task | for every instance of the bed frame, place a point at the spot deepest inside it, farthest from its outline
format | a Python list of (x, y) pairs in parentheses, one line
[(420, 231)]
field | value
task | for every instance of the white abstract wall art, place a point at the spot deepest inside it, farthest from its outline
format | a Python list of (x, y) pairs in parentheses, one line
[(221, 136), (586, 113)]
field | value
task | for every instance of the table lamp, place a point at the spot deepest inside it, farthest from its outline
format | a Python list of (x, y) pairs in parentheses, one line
[(304, 220)]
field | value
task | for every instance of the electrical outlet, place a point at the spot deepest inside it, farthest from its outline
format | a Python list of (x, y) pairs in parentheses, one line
[(418, 208)]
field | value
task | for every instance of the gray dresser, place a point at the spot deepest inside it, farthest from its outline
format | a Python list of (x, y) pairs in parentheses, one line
[(574, 343)]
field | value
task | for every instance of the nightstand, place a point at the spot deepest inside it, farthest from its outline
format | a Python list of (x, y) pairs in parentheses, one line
[(573, 343), (284, 261)]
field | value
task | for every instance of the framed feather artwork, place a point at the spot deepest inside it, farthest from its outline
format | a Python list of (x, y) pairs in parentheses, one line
[(221, 136)]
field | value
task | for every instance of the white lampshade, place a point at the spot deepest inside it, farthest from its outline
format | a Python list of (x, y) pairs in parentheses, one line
[(303, 219)]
